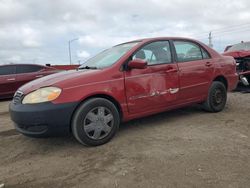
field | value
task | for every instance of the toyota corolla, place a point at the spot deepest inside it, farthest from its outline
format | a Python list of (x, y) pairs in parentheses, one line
[(130, 80)]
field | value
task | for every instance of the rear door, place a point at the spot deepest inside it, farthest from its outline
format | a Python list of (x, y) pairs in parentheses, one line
[(7, 80), (26, 73), (196, 70), (156, 85)]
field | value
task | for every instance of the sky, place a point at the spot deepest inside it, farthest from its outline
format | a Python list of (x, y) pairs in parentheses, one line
[(33, 31)]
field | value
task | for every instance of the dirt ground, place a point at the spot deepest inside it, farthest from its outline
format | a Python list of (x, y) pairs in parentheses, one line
[(181, 148)]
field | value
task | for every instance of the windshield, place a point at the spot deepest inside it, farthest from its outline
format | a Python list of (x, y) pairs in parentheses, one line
[(108, 57), (241, 46)]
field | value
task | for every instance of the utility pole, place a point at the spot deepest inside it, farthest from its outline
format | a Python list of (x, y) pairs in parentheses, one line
[(70, 41), (210, 44)]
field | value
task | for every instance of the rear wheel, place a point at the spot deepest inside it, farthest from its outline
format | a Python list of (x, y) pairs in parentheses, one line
[(217, 97), (95, 122)]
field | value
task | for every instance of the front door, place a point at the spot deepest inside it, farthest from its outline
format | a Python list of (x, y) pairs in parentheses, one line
[(155, 86)]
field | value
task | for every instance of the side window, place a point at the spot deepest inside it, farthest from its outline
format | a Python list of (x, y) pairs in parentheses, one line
[(7, 70), (205, 55), (155, 53), (27, 68), (187, 51)]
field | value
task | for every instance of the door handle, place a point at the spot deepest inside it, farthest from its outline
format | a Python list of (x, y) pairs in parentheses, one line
[(39, 76), (171, 70), (208, 64), (11, 79)]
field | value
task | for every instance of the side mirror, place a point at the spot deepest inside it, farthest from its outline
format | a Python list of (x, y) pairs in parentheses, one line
[(137, 64)]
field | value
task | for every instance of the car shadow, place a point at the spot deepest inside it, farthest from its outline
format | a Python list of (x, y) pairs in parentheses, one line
[(68, 141), (162, 117)]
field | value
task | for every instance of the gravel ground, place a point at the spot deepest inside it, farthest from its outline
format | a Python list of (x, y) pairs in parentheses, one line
[(180, 148)]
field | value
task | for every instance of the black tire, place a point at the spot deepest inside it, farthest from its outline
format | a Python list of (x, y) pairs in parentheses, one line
[(217, 97), (80, 118)]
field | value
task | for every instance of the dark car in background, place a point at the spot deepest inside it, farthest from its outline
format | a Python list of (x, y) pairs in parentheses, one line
[(241, 53), (12, 76)]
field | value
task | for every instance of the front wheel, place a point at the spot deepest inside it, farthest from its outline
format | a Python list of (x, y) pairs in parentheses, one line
[(217, 97), (95, 122)]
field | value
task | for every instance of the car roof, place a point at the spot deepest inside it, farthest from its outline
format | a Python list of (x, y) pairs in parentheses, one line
[(164, 38), (160, 38)]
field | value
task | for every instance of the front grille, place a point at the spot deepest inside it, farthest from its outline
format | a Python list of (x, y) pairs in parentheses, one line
[(17, 97)]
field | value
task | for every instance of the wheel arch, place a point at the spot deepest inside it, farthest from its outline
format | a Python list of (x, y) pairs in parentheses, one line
[(104, 96), (222, 79)]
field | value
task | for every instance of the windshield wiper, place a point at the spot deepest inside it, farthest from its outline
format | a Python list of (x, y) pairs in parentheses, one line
[(87, 67)]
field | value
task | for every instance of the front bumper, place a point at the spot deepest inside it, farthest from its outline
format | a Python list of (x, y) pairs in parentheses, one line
[(41, 120)]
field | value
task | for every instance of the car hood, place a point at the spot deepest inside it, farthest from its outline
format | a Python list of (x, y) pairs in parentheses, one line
[(237, 54), (62, 79)]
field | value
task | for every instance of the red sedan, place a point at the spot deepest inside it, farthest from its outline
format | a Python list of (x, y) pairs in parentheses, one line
[(13, 76), (127, 81)]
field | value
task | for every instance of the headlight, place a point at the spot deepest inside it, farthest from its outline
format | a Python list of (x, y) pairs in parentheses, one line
[(42, 95)]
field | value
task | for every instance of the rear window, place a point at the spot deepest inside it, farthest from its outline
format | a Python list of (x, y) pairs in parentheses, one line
[(205, 55), (7, 70), (187, 51), (28, 68)]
